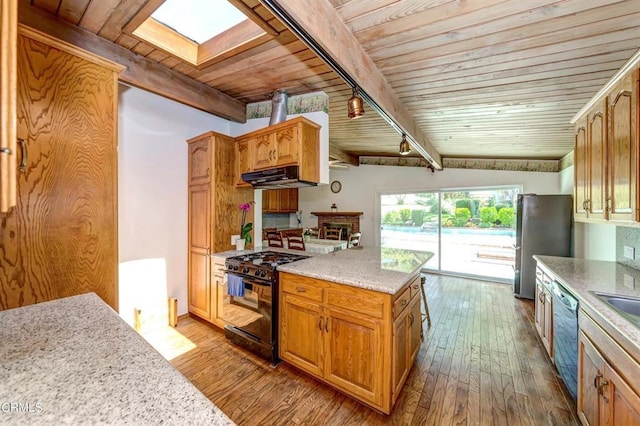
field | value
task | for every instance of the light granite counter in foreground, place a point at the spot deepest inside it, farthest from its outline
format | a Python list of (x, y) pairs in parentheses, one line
[(381, 269), (583, 276), (74, 361)]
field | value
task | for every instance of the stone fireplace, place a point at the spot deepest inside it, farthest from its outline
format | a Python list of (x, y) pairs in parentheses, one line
[(347, 222)]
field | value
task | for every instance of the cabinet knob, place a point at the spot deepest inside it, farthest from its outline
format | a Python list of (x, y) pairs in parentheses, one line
[(405, 302)]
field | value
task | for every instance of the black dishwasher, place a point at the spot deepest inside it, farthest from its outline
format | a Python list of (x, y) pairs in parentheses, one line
[(565, 336)]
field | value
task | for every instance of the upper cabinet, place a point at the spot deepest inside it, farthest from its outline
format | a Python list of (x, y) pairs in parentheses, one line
[(280, 200), (293, 142), (8, 75), (606, 149)]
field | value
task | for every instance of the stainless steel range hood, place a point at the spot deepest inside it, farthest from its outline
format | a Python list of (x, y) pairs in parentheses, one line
[(277, 178)]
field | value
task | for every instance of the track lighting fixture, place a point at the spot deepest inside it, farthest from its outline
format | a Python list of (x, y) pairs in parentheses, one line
[(355, 105), (405, 149)]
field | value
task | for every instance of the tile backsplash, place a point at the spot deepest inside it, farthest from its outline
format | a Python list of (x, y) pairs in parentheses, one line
[(629, 237)]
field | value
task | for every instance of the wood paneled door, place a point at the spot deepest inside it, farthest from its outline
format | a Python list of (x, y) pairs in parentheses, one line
[(61, 238)]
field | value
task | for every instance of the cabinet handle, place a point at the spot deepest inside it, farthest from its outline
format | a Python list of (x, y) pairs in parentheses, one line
[(415, 286), (405, 302), (301, 290), (326, 324), (596, 379), (320, 324), (25, 155), (411, 318), (601, 387)]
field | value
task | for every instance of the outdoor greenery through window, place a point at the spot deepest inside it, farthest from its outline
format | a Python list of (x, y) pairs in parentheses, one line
[(470, 231)]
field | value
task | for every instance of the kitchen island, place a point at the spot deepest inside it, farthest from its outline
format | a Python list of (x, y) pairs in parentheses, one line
[(74, 361), (353, 320)]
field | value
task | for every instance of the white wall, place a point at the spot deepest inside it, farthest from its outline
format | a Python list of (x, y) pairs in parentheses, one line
[(152, 175), (590, 240), (361, 186)]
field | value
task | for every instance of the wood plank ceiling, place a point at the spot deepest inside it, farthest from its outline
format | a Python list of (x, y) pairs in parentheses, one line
[(482, 78)]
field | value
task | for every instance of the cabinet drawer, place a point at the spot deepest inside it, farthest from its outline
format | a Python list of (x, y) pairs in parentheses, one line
[(303, 287), (414, 287), (401, 302), (365, 303)]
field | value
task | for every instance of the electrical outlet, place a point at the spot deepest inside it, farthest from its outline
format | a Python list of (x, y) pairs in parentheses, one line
[(629, 281), (629, 252), (234, 238)]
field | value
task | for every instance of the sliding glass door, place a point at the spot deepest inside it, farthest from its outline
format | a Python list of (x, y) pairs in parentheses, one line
[(470, 231), (411, 221)]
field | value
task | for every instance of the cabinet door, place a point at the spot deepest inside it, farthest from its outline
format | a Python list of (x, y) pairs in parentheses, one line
[(8, 63), (271, 200), (400, 355), (548, 323), (200, 162), (292, 200), (622, 151), (61, 238), (580, 169), (301, 333), (354, 353), (621, 405), (597, 155), (217, 287), (263, 151), (286, 146), (539, 309), (199, 278), (243, 162), (415, 329), (590, 375)]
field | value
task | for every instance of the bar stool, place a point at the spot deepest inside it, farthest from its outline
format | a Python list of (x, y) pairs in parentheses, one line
[(425, 315)]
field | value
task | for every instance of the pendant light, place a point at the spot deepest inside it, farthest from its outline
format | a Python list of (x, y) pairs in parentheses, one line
[(405, 149), (355, 106)]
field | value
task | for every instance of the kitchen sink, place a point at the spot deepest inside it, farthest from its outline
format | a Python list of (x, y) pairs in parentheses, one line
[(628, 306)]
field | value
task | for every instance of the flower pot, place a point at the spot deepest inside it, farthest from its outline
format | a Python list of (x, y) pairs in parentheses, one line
[(240, 244)]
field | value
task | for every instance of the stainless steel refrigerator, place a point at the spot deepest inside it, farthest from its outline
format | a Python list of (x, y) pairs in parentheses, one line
[(543, 226)]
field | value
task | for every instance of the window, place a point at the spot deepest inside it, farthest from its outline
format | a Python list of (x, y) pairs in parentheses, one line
[(201, 32)]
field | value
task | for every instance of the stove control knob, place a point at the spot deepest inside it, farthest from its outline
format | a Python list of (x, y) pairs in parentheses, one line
[(235, 267), (245, 270), (263, 273), (257, 273)]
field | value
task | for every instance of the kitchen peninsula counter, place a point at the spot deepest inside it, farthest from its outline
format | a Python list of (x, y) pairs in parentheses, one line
[(380, 269), (582, 277), (75, 361)]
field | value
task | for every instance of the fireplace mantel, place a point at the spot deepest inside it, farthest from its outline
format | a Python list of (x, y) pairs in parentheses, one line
[(333, 214)]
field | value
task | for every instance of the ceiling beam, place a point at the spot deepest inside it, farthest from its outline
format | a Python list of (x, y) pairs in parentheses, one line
[(338, 154), (323, 28), (139, 71)]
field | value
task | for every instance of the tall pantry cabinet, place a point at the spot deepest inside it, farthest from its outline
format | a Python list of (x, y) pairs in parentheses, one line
[(61, 237), (214, 216)]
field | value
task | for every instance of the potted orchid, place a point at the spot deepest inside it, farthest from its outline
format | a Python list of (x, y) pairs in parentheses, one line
[(245, 228)]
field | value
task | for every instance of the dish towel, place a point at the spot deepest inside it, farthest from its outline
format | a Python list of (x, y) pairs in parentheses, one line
[(235, 285)]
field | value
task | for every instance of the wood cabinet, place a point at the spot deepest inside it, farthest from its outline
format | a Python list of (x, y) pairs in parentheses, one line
[(243, 161), (218, 291), (214, 215), (347, 337), (407, 335), (61, 237), (8, 77), (605, 397), (544, 309), (292, 142), (280, 200), (605, 156)]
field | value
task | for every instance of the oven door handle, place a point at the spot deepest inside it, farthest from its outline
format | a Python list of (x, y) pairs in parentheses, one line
[(252, 281)]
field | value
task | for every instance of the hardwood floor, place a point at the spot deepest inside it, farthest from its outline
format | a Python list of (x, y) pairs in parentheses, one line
[(481, 362)]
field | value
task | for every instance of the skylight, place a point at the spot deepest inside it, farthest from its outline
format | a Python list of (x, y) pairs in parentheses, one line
[(199, 20)]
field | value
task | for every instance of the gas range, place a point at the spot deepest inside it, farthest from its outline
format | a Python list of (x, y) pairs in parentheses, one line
[(261, 265)]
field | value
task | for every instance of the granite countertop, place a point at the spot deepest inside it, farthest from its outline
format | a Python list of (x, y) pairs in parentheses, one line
[(75, 361), (385, 270), (583, 276)]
